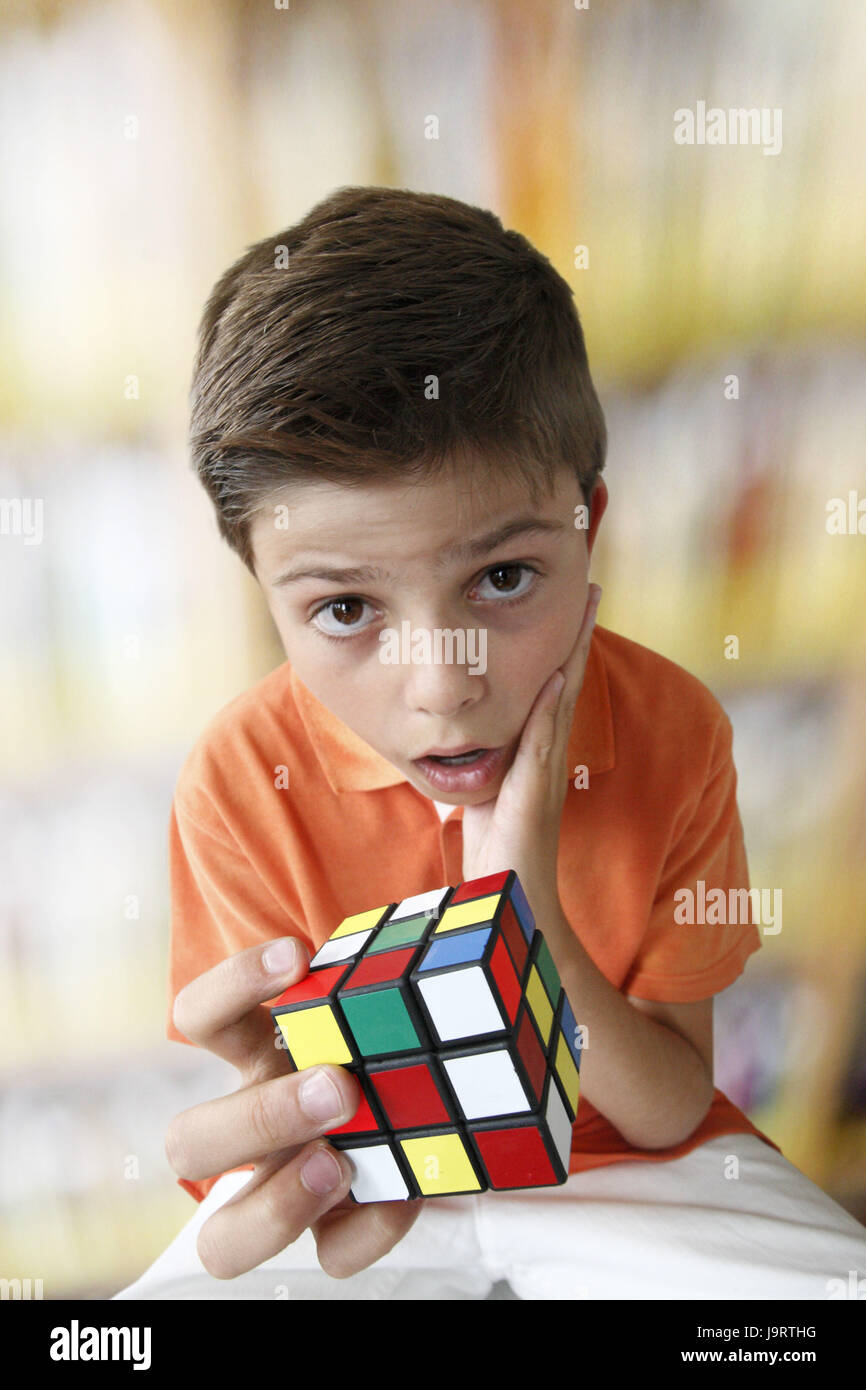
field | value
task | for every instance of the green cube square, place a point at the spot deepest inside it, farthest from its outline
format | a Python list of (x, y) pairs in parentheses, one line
[(380, 1022), (394, 934), (548, 972)]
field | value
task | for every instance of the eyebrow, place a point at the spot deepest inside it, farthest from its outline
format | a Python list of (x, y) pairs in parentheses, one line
[(459, 551)]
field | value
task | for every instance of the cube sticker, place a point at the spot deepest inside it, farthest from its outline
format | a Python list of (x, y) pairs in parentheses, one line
[(422, 905), (487, 1083), (378, 1177), (441, 1164), (411, 1093), (351, 936), (449, 1010)]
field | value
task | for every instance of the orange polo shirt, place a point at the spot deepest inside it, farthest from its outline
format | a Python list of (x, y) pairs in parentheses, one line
[(252, 858)]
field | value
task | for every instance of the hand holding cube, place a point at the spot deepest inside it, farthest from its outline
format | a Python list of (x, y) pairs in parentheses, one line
[(448, 1009)]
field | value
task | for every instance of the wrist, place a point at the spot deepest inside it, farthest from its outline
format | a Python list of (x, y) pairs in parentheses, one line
[(543, 898)]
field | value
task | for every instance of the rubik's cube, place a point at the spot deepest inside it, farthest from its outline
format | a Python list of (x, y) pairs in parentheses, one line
[(449, 1011)]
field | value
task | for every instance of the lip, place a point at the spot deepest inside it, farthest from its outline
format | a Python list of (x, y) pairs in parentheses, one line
[(468, 778)]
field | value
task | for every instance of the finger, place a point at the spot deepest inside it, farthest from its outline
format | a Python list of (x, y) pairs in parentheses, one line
[(271, 1210), (574, 666), (547, 727), (349, 1238), (222, 1009), (539, 731), (259, 1120)]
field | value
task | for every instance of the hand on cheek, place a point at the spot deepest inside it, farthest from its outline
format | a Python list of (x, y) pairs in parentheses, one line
[(519, 828)]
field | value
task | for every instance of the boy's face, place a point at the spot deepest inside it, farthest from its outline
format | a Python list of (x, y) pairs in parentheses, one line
[(518, 603)]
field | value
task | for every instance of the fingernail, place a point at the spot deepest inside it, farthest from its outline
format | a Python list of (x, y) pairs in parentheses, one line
[(280, 957), (319, 1097), (321, 1173), (557, 683)]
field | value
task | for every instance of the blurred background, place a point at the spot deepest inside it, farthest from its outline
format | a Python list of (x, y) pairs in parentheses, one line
[(143, 147)]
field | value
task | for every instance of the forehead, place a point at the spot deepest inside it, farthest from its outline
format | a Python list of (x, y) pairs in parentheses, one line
[(402, 521)]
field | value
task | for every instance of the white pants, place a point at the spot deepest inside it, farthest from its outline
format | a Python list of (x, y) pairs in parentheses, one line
[(634, 1230)]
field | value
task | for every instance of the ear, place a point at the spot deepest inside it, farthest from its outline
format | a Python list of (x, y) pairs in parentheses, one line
[(597, 507)]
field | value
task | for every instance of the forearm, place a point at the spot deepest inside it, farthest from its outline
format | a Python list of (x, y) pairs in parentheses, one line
[(645, 1079)]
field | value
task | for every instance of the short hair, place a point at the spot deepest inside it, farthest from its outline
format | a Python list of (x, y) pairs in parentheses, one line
[(381, 337)]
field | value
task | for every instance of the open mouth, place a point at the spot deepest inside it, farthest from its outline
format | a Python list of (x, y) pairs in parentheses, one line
[(456, 760), (467, 771)]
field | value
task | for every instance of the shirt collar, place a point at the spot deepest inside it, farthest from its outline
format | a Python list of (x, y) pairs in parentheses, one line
[(350, 764)]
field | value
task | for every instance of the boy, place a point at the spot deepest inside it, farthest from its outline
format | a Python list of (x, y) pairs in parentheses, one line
[(392, 409)]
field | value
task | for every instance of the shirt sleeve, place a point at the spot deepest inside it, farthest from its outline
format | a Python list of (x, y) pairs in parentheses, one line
[(682, 961), (219, 905)]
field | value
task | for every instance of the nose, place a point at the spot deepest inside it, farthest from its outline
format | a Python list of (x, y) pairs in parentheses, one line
[(437, 681)]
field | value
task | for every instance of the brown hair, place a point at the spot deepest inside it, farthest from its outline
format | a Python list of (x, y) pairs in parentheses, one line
[(318, 346)]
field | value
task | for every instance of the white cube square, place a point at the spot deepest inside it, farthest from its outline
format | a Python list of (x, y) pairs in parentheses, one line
[(341, 948), (560, 1125), (419, 905), (377, 1177), (461, 1004), (487, 1084)]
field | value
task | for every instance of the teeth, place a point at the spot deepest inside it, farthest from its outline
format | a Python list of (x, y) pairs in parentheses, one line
[(461, 758)]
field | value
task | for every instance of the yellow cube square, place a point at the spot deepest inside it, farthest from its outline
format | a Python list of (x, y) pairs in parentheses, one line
[(313, 1036), (466, 914), (567, 1072), (539, 1004), (440, 1164), (361, 921)]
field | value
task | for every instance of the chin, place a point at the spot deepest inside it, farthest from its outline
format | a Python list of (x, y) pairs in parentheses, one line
[(479, 798)]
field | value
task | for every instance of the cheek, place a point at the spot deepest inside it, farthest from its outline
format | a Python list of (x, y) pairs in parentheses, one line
[(351, 689), (525, 660)]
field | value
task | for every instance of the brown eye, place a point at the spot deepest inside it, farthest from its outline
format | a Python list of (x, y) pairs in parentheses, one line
[(340, 613), (339, 607), (510, 582), (500, 570)]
